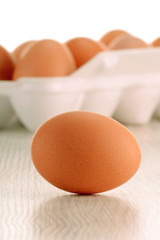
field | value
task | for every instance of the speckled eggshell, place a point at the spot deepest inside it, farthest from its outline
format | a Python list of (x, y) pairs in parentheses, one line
[(85, 152)]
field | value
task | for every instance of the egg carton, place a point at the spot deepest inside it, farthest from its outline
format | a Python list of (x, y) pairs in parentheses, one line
[(122, 84)]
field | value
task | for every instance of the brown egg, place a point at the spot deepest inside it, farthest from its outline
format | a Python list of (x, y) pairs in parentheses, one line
[(7, 64), (85, 152), (18, 52), (126, 42), (104, 47), (45, 58), (83, 49), (111, 35), (156, 42)]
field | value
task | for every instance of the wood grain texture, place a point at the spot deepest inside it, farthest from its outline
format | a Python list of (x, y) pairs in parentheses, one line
[(32, 209)]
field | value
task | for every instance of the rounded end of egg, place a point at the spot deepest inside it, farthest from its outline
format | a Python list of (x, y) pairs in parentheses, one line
[(85, 152), (111, 35), (21, 49), (45, 58), (127, 42), (84, 49), (156, 42)]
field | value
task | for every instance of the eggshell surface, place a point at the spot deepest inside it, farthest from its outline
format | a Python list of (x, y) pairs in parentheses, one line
[(156, 42), (83, 49), (126, 41), (111, 35), (7, 64), (45, 58), (19, 49), (85, 152)]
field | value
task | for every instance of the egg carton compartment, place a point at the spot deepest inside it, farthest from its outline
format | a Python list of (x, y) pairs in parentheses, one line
[(7, 114), (36, 100), (141, 67), (124, 85)]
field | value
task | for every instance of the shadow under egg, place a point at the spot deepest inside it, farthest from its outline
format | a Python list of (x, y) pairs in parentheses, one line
[(85, 217)]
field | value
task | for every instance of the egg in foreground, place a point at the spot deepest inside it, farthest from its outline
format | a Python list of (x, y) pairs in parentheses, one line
[(85, 152)]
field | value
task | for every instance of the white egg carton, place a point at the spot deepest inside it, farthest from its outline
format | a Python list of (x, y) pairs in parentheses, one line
[(124, 85)]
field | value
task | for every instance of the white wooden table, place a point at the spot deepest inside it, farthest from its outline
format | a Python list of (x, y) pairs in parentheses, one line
[(32, 209)]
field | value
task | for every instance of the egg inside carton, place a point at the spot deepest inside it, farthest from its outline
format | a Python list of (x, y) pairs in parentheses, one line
[(123, 84)]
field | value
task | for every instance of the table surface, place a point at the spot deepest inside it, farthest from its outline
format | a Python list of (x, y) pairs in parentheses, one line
[(31, 208)]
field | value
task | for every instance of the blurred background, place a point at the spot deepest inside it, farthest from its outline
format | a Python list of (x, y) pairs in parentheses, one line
[(61, 20), (124, 86)]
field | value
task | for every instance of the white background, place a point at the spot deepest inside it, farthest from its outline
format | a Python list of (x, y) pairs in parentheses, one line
[(64, 19)]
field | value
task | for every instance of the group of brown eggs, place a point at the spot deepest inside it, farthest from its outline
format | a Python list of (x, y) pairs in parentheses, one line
[(51, 58)]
